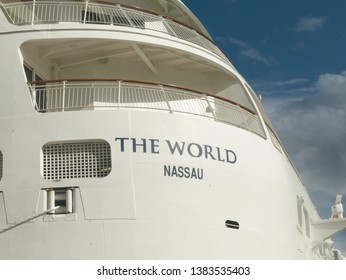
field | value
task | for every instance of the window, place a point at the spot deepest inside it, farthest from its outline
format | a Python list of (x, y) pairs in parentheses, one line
[(76, 160), (30, 73), (301, 209), (62, 198), (300, 201), (39, 88), (3, 218), (275, 139), (1, 160), (307, 222)]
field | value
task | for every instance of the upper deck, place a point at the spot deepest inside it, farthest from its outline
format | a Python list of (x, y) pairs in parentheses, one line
[(174, 10), (144, 15), (74, 95), (69, 59)]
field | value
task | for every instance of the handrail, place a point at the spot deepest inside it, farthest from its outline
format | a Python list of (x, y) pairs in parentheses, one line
[(44, 82), (85, 94), (129, 7), (156, 14), (86, 12)]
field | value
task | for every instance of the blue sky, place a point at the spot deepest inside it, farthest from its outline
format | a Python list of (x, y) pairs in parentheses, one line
[(293, 54)]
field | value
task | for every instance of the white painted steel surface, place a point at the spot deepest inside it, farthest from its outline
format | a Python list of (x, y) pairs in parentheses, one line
[(184, 166)]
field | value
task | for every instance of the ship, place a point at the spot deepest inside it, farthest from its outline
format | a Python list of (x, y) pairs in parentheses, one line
[(127, 133)]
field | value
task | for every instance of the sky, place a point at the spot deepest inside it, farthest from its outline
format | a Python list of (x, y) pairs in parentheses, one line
[(293, 54)]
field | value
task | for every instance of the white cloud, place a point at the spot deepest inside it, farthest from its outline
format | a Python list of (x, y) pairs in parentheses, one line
[(290, 91), (257, 56), (298, 46), (314, 132), (309, 24), (293, 87), (252, 53), (238, 43), (291, 82), (333, 85)]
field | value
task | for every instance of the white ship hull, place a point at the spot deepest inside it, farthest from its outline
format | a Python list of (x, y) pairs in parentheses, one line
[(140, 212), (177, 183)]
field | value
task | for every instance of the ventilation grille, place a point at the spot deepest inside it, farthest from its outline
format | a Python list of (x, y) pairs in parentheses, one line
[(76, 160)]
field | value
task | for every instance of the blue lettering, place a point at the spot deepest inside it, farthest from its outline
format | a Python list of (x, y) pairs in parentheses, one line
[(176, 146), (122, 143), (154, 146), (194, 150), (199, 150), (219, 155), (231, 156), (174, 171), (200, 173), (180, 172), (187, 172), (208, 152), (167, 170), (193, 173), (135, 145), (183, 172)]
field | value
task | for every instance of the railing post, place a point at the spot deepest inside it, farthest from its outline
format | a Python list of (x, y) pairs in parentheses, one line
[(33, 96), (119, 93), (202, 44), (245, 123), (168, 26), (209, 108), (86, 11), (163, 92), (33, 12), (126, 16), (63, 96), (60, 13), (8, 13)]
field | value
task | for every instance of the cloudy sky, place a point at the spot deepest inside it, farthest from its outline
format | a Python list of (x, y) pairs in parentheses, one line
[(293, 54)]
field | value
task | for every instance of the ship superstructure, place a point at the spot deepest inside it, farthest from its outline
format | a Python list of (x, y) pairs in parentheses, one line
[(126, 133)]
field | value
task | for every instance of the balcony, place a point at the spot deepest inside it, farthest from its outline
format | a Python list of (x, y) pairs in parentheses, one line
[(48, 12), (102, 94)]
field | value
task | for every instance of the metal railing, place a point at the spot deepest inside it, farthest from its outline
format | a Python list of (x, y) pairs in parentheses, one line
[(73, 95), (40, 12)]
